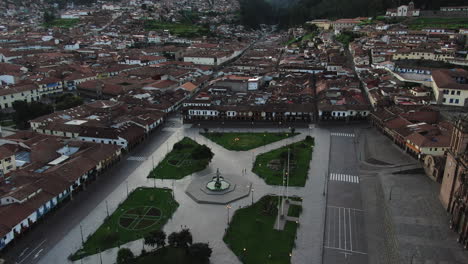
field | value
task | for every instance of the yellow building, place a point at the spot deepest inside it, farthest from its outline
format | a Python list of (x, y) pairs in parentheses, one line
[(7, 161), (421, 55), (28, 93), (324, 24), (451, 87)]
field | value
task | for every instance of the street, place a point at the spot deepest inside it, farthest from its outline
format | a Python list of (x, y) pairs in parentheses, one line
[(345, 240)]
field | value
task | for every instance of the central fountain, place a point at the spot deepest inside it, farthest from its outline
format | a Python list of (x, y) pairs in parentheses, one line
[(217, 188), (218, 183)]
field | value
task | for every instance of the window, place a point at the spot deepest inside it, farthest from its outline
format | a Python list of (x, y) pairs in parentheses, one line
[(443, 100), (451, 100), (452, 92), (458, 92), (456, 101)]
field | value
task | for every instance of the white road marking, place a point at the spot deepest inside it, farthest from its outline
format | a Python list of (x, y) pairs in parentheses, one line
[(339, 228), (27, 256), (344, 178), (37, 254), (23, 252), (336, 134), (352, 251)]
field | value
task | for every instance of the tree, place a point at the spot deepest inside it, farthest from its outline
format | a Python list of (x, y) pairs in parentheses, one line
[(25, 111), (160, 238), (172, 239), (200, 252), (182, 239), (124, 256), (185, 238), (48, 17), (67, 101), (202, 152), (150, 240)]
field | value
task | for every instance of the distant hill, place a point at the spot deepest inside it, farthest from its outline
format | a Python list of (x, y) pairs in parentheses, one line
[(294, 12)]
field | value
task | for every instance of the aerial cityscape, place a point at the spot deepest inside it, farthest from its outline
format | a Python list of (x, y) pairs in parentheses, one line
[(234, 131)]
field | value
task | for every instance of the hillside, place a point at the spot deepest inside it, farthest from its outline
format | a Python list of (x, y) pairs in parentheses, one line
[(288, 13)]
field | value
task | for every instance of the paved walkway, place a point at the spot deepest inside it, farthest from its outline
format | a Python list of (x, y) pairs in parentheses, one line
[(410, 226), (281, 221), (310, 233)]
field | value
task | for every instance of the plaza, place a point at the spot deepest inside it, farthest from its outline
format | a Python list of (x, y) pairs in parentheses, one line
[(328, 203), (212, 229)]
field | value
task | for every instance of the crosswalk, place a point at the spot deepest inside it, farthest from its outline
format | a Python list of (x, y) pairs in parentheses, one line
[(336, 134), (344, 178), (137, 158)]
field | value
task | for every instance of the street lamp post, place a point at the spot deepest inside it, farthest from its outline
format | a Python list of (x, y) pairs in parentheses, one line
[(228, 207), (253, 195), (173, 190), (287, 175), (127, 187), (82, 237), (107, 209)]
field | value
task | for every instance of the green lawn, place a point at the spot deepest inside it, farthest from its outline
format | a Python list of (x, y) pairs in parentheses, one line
[(245, 141), (7, 123), (251, 229), (139, 216), (180, 29), (446, 22), (167, 255), (62, 22), (294, 210), (179, 162), (301, 154)]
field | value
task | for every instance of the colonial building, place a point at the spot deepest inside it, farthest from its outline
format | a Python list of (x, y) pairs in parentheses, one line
[(403, 11), (454, 189), (451, 87)]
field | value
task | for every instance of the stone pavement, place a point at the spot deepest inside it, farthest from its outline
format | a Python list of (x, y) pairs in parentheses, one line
[(310, 233), (406, 221)]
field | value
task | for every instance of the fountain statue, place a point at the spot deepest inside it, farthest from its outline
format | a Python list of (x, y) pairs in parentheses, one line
[(218, 183)]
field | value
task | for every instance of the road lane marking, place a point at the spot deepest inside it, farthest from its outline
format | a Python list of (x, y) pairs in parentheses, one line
[(337, 134), (37, 254), (352, 251), (344, 178), (350, 229), (27, 256), (23, 252), (339, 227)]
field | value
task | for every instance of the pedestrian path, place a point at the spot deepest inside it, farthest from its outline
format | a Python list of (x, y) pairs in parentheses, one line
[(337, 134), (137, 158), (281, 221), (344, 178)]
